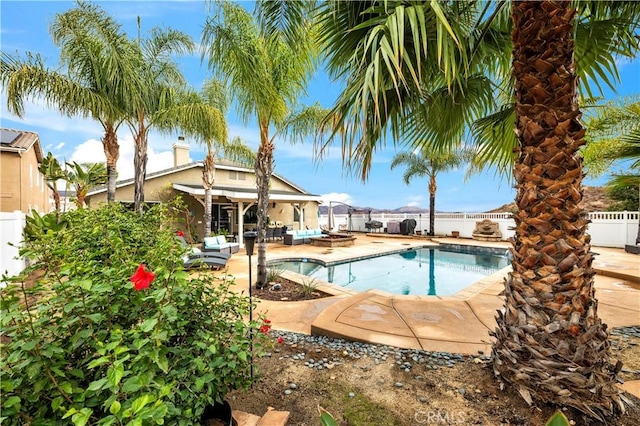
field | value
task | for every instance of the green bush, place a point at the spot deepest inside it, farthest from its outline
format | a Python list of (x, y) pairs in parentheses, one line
[(307, 287), (114, 331)]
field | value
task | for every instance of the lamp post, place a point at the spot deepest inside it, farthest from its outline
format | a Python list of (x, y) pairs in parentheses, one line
[(249, 241)]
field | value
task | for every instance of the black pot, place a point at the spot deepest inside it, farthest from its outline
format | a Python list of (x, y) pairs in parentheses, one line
[(220, 412)]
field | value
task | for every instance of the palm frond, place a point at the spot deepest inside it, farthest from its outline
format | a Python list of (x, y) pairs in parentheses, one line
[(496, 141)]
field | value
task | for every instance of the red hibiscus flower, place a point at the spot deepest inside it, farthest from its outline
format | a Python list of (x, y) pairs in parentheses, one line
[(265, 329), (280, 340), (180, 233), (142, 278)]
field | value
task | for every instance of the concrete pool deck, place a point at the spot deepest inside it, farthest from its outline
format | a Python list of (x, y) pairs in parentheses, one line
[(458, 323)]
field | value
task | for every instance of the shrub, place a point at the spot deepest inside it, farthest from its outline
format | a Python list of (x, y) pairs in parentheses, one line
[(115, 331), (273, 273), (307, 287)]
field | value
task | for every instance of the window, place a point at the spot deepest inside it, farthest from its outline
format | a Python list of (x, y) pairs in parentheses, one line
[(236, 175), (296, 214)]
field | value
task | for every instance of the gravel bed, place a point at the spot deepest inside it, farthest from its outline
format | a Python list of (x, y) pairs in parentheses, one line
[(405, 359), (313, 356)]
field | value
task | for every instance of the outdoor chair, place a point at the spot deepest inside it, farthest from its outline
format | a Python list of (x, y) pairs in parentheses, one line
[(277, 234), (269, 235)]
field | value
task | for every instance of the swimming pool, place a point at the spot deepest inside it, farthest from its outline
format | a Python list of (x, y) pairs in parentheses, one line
[(424, 271)]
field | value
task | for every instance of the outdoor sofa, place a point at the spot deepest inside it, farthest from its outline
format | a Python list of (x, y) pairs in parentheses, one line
[(219, 244), (302, 236)]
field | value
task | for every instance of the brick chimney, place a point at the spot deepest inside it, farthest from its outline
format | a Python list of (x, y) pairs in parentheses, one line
[(180, 152)]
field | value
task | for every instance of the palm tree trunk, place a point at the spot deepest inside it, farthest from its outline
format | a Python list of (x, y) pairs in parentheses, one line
[(550, 344), (263, 168), (140, 168), (208, 177), (56, 198), (112, 153), (432, 204)]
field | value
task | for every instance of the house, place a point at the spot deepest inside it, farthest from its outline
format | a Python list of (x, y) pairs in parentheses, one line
[(22, 186), (234, 195)]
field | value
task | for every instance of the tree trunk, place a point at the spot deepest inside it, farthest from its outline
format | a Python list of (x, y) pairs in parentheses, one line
[(140, 168), (432, 204), (208, 178), (550, 344), (112, 153), (263, 168), (56, 199)]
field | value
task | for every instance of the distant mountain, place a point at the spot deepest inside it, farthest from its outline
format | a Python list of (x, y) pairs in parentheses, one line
[(341, 209), (594, 199)]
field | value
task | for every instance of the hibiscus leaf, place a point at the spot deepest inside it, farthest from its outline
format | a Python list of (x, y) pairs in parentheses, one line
[(97, 384), (148, 324)]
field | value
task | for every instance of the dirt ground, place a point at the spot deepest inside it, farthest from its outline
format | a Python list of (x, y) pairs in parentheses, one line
[(363, 392)]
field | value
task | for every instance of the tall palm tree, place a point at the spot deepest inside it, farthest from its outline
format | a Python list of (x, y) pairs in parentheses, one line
[(214, 93), (85, 177), (163, 85), (550, 344), (164, 103), (266, 64), (98, 62), (429, 164)]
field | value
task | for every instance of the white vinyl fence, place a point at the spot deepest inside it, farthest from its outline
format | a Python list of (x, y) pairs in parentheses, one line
[(11, 226), (607, 229)]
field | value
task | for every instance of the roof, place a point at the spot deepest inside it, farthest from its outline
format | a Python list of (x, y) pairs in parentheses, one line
[(12, 140), (220, 164), (235, 193)]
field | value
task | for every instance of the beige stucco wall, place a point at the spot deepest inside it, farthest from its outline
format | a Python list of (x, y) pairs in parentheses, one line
[(22, 187)]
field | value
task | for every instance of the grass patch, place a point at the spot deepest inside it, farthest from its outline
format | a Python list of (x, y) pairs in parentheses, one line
[(357, 410)]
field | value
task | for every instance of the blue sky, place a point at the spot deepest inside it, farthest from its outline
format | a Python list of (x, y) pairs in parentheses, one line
[(24, 27)]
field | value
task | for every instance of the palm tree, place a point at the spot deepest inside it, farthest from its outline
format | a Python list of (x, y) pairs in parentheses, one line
[(214, 94), (164, 103), (85, 177), (52, 173), (98, 63), (266, 67), (429, 164), (550, 344)]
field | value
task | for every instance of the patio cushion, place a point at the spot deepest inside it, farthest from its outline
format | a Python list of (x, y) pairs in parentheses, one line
[(210, 241)]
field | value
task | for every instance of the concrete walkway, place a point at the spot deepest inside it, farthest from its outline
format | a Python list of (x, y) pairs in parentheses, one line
[(458, 323)]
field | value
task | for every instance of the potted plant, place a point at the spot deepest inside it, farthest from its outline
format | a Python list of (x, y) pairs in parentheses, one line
[(114, 331)]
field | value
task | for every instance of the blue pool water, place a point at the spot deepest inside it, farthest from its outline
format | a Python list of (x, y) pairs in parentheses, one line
[(424, 271)]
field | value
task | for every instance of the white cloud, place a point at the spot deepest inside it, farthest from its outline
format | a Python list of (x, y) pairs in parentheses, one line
[(59, 146), (91, 151), (337, 196), (415, 200)]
